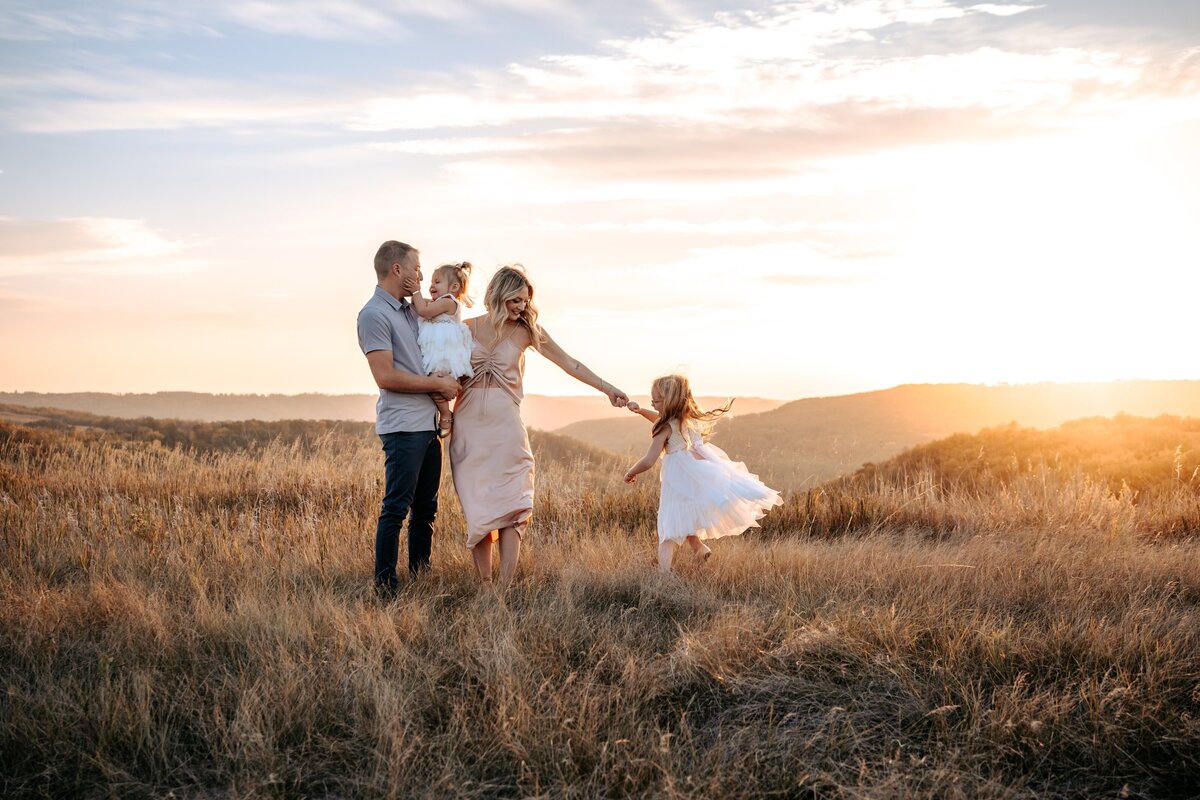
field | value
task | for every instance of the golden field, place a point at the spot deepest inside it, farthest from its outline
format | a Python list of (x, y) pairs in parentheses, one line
[(197, 621)]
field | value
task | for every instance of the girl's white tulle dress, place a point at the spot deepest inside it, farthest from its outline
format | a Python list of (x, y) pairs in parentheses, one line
[(446, 343), (705, 494)]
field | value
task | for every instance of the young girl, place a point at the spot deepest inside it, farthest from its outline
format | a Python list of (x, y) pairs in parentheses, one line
[(704, 494), (444, 340)]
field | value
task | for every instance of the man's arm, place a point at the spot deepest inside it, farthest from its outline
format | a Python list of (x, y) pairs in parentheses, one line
[(397, 380)]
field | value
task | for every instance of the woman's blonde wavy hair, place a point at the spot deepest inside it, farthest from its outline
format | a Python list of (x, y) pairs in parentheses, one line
[(679, 405), (508, 281)]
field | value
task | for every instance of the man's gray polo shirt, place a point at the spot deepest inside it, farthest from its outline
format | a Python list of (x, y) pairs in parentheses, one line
[(386, 323)]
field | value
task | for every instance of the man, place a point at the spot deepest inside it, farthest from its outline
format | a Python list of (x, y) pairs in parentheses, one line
[(405, 415)]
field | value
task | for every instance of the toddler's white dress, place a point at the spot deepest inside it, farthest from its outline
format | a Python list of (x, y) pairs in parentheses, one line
[(446, 343), (705, 494)]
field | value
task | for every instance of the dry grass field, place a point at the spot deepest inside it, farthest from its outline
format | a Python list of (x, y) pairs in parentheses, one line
[(197, 623)]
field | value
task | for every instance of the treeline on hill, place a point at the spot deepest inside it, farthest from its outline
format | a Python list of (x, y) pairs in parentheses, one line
[(29, 424), (201, 437), (1138, 453)]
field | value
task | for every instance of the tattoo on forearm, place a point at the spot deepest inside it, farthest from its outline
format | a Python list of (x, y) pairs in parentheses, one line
[(578, 366)]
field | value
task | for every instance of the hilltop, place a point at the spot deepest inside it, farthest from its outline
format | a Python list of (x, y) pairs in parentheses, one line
[(1123, 453), (545, 412), (238, 435), (805, 442)]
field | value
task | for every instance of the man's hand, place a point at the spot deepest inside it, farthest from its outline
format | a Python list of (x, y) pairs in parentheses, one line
[(448, 386)]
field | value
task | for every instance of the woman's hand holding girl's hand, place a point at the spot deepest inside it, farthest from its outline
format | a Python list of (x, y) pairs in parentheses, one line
[(616, 396)]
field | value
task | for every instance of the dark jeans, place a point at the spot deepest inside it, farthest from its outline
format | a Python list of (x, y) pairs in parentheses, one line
[(413, 470)]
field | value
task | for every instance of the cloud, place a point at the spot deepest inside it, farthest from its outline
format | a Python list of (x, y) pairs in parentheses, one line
[(89, 245), (118, 97), (312, 19), (1001, 10), (754, 103), (721, 227), (813, 281), (348, 20)]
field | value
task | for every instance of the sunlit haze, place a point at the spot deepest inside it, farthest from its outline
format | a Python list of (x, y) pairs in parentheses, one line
[(781, 199)]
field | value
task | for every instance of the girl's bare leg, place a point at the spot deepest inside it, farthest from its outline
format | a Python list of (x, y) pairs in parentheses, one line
[(510, 552), (445, 417), (482, 553), (666, 550), (699, 547)]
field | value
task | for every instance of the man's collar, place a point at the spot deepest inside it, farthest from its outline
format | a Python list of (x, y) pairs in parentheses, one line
[(391, 301)]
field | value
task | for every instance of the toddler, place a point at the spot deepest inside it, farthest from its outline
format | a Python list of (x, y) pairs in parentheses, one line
[(444, 340)]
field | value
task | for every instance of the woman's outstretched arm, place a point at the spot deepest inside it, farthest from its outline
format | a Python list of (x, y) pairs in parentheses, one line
[(575, 368)]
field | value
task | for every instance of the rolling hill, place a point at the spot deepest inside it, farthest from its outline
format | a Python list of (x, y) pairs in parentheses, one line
[(806, 442), (545, 412), (1143, 454), (232, 435)]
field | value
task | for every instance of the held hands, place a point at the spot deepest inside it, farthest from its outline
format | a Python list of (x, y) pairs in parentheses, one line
[(615, 396), (633, 406)]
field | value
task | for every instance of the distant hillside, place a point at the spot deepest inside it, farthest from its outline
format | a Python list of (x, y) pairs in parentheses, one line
[(809, 441), (1123, 451), (204, 407), (555, 413), (544, 412), (224, 436)]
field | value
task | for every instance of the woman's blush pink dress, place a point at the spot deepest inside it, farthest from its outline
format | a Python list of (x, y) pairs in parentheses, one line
[(489, 449)]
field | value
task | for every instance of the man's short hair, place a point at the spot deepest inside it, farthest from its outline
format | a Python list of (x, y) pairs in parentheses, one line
[(391, 252)]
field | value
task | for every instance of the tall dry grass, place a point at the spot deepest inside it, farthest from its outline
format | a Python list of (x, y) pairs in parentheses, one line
[(201, 625)]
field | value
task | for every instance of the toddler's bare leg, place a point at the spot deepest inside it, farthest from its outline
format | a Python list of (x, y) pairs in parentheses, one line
[(445, 418), (665, 552)]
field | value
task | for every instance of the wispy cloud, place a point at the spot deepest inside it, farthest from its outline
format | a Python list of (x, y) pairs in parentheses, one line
[(719, 227), (775, 71), (313, 19), (351, 20), (90, 245)]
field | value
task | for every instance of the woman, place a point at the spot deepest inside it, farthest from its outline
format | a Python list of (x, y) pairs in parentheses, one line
[(489, 450)]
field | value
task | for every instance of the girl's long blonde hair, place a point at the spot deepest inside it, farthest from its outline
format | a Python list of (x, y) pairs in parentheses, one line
[(679, 405), (508, 281)]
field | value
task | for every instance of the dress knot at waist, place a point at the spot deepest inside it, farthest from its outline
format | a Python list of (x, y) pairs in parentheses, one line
[(487, 376)]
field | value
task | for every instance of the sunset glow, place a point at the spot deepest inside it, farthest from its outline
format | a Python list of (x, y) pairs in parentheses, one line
[(782, 199)]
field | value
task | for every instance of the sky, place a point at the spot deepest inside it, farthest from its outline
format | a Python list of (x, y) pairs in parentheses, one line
[(778, 199)]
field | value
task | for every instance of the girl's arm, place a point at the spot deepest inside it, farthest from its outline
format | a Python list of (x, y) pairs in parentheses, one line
[(656, 447), (428, 309), (648, 414), (575, 368)]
